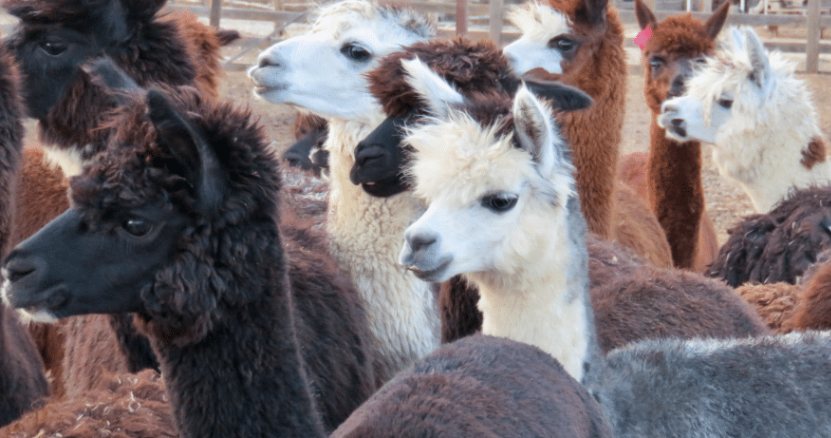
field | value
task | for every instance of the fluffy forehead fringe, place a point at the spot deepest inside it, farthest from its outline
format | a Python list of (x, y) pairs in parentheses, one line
[(461, 156), (422, 25), (682, 35), (537, 19)]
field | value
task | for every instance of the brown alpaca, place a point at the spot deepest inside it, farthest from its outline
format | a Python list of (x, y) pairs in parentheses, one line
[(672, 183), (813, 308), (71, 120), (124, 405), (775, 303)]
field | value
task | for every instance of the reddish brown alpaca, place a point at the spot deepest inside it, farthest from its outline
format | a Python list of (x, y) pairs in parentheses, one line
[(813, 308), (669, 178)]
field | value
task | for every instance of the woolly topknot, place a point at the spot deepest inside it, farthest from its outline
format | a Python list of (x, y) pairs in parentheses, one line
[(682, 35), (331, 16), (470, 66)]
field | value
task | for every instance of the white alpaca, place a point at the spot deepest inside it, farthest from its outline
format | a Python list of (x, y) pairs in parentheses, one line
[(759, 118), (544, 42), (503, 213), (323, 73)]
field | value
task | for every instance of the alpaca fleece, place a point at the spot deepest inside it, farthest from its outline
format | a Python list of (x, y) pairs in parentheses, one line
[(218, 302), (480, 386), (779, 245), (775, 303), (813, 308), (22, 381), (124, 406)]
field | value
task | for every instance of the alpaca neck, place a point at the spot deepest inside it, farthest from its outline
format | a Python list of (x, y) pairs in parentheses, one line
[(675, 192), (544, 301), (246, 377), (767, 156), (366, 234)]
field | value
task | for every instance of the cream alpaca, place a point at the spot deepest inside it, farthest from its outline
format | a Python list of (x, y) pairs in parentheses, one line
[(365, 232), (759, 117)]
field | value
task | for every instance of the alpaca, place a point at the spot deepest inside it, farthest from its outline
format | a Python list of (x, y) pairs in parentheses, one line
[(669, 176), (349, 37), (133, 405), (503, 211), (480, 386), (759, 118), (310, 131), (775, 302), (780, 244), (197, 255), (22, 379), (581, 43), (69, 105), (696, 306), (812, 304)]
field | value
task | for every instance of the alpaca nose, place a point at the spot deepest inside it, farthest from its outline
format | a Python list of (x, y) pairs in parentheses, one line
[(269, 59), (367, 153), (18, 267), (421, 241), (668, 108), (678, 123)]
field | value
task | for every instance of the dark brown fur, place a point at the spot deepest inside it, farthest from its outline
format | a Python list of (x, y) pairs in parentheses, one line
[(779, 245), (813, 153), (22, 380), (124, 406), (480, 386), (672, 185)]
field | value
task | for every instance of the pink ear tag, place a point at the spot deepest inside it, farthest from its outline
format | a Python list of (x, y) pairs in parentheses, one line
[(643, 37)]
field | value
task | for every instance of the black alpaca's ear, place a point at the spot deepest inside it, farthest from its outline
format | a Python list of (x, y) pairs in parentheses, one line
[(143, 10), (563, 97), (716, 21), (113, 23), (188, 146), (104, 73), (593, 11), (645, 15)]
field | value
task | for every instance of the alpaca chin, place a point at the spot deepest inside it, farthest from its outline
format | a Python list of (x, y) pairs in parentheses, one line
[(37, 315)]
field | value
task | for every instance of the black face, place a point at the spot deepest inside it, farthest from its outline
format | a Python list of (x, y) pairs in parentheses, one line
[(380, 159), (69, 268), (50, 55), (307, 154)]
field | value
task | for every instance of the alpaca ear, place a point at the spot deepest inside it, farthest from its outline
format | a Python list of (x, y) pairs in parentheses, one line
[(593, 11), (758, 57), (645, 15), (188, 146), (434, 91), (563, 97), (143, 10), (534, 129), (716, 21), (104, 73)]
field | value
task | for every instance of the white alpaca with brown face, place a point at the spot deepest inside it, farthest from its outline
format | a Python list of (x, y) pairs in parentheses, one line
[(323, 72), (759, 118)]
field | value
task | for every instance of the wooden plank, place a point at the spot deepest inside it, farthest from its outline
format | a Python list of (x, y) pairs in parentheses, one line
[(461, 17), (497, 18), (812, 39), (216, 12), (706, 6), (738, 19)]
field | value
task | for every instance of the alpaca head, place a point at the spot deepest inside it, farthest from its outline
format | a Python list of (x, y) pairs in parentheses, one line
[(738, 91), (472, 68), (487, 170), (323, 70), (559, 36), (180, 185), (56, 37), (678, 44)]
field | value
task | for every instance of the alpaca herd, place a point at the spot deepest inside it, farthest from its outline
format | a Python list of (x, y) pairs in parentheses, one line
[(452, 247)]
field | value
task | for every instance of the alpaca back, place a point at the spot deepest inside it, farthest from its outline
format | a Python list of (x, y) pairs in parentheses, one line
[(480, 386), (771, 386), (813, 309)]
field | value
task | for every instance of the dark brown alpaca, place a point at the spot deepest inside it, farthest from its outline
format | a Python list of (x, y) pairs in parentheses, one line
[(209, 274), (672, 183), (310, 131), (59, 33), (480, 386), (22, 380), (676, 305)]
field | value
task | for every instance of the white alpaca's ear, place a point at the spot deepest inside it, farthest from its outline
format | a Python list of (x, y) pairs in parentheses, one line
[(436, 93), (535, 130), (758, 57)]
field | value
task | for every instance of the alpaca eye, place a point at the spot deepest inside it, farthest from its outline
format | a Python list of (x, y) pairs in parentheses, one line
[(562, 44), (500, 202), (355, 52), (53, 48), (656, 62), (725, 103), (136, 226)]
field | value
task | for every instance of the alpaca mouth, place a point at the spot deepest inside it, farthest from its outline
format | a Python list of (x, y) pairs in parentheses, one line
[(34, 304), (679, 131), (434, 275)]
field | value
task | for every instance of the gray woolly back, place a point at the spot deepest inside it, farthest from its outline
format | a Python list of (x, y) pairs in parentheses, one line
[(776, 386)]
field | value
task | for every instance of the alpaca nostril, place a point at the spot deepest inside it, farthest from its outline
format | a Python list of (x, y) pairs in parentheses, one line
[(364, 154), (419, 242), (267, 61), (17, 269)]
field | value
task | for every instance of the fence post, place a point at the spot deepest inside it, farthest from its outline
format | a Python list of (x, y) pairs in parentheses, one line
[(495, 22), (461, 17), (216, 12), (812, 44)]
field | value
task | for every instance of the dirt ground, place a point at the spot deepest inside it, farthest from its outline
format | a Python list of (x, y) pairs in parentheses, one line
[(725, 202)]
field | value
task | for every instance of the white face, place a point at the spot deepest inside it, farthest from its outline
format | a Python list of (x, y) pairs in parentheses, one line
[(684, 118), (545, 39), (323, 71)]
